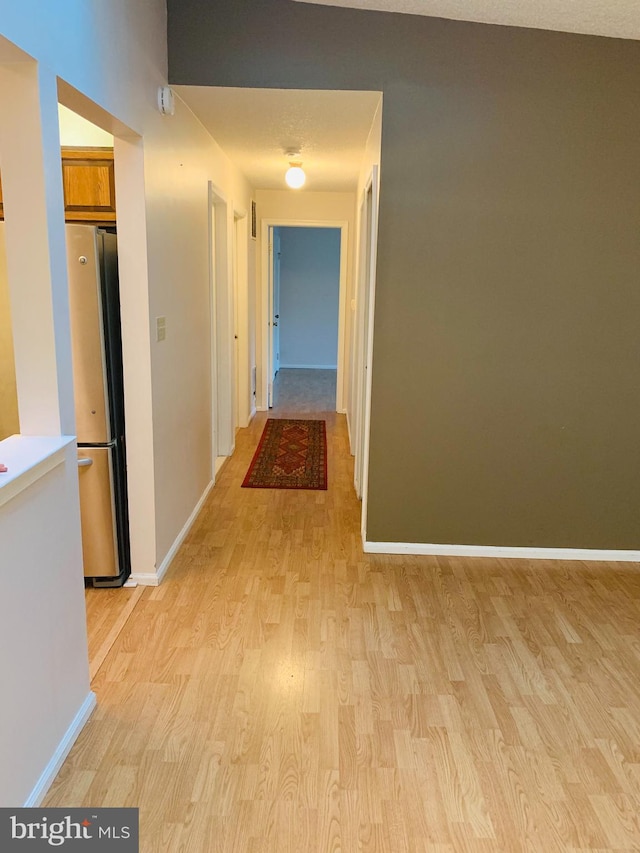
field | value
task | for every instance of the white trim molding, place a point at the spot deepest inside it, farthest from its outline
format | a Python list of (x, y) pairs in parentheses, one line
[(502, 552), (263, 353), (154, 578), (63, 749), (363, 339), (144, 579)]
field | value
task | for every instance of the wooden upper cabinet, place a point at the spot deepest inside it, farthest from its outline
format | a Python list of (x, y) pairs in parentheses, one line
[(89, 185)]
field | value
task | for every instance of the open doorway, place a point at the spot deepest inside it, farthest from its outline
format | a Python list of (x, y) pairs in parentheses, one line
[(87, 155), (100, 360), (304, 302)]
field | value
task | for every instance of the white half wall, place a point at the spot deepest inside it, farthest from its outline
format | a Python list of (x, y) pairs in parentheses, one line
[(43, 640)]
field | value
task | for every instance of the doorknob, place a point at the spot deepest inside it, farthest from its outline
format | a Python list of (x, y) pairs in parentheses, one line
[(84, 463)]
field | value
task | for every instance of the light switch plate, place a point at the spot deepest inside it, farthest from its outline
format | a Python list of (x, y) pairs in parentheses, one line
[(161, 328)]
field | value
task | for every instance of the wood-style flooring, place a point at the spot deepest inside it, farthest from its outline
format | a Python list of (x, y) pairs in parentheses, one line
[(283, 691)]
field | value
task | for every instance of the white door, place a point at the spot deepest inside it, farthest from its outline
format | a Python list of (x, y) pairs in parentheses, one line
[(213, 297), (364, 337), (358, 348), (270, 367), (366, 312), (222, 331), (275, 320), (236, 353)]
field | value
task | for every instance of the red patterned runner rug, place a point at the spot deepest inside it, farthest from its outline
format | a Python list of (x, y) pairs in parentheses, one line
[(292, 454)]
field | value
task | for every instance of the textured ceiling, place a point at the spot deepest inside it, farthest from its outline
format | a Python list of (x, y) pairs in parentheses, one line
[(255, 126), (619, 18)]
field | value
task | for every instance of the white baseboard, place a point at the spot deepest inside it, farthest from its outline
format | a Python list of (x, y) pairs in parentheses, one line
[(144, 578), (247, 421), (154, 578), (352, 449), (164, 565), (63, 749), (501, 552), (262, 408)]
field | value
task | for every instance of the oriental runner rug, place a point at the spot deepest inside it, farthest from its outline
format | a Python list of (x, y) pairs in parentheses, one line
[(292, 454)]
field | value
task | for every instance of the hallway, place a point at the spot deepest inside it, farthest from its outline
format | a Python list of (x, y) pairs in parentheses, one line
[(282, 691)]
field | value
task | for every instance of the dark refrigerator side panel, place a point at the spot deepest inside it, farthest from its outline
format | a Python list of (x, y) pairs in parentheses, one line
[(110, 293), (122, 512), (108, 257)]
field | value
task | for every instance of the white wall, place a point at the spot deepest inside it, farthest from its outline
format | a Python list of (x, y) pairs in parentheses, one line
[(105, 61), (176, 177), (309, 296)]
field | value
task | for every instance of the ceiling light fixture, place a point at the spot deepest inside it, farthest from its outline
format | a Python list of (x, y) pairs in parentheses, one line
[(295, 176)]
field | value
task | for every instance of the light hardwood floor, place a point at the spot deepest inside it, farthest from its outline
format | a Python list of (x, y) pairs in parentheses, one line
[(282, 691)]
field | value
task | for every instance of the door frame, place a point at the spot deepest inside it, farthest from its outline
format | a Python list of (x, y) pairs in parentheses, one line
[(363, 369), (270, 370), (266, 298), (275, 310), (241, 308), (221, 321), (356, 437)]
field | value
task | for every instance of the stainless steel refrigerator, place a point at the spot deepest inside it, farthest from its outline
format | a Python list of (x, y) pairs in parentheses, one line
[(94, 305)]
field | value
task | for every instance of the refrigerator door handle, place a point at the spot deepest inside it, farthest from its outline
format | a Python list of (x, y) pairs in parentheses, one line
[(84, 463)]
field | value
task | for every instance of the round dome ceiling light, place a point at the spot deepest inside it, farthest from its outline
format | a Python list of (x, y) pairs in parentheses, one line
[(295, 176)]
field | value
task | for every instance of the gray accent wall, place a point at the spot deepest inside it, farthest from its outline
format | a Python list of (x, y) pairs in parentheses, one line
[(505, 404)]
